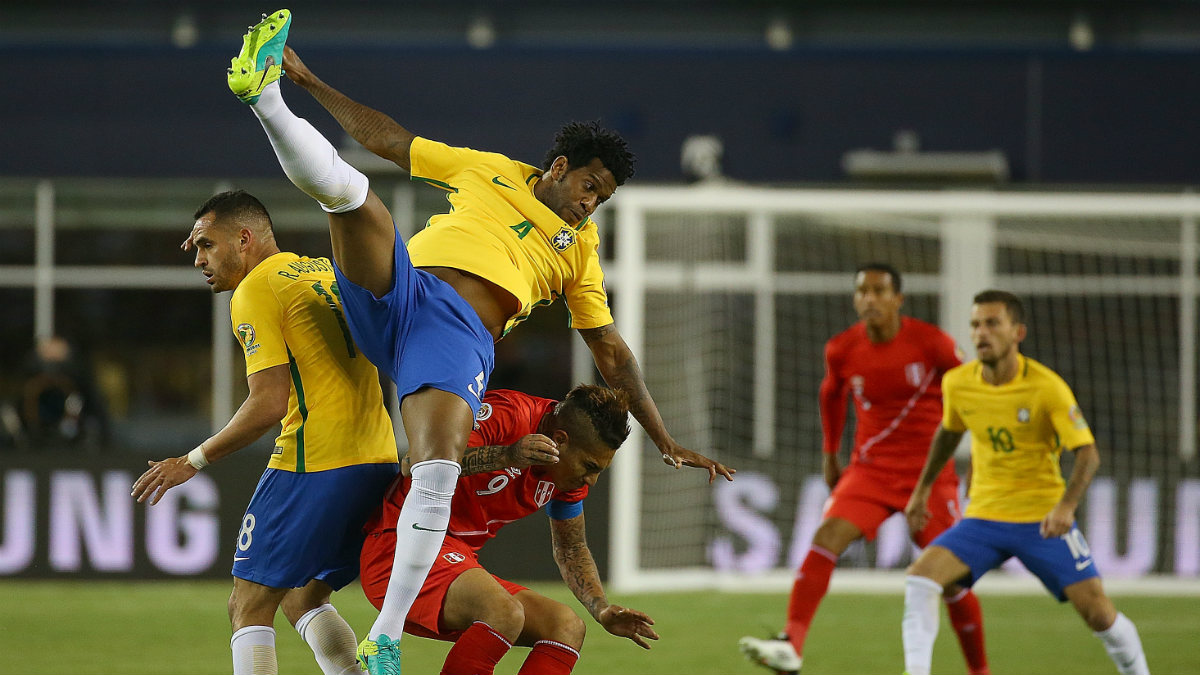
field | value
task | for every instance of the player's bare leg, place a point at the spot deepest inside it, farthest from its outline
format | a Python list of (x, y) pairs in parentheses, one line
[(332, 640), (489, 616), (1114, 629), (252, 616)]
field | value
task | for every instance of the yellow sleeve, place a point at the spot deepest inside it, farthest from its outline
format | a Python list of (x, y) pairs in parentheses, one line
[(439, 164), (257, 317), (1066, 417), (587, 300), (951, 421)]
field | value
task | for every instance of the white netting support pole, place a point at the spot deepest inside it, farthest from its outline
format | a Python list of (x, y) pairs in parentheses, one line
[(1188, 257), (43, 295), (968, 267), (625, 506), (762, 266)]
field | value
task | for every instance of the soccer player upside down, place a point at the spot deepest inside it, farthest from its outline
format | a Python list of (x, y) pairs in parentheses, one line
[(483, 614)]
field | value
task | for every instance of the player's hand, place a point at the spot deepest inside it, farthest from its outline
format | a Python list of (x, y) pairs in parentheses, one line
[(532, 449), (160, 477), (1058, 522), (917, 512), (832, 468), (628, 623), (679, 456), (295, 69)]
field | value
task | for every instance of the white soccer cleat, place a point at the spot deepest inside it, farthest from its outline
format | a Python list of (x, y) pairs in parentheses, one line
[(777, 654)]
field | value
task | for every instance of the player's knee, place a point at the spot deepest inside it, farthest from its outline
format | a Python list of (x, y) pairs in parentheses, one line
[(835, 535), (505, 615), (569, 629)]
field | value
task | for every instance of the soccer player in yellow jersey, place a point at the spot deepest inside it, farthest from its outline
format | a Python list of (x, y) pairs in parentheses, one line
[(1021, 416), (333, 460), (517, 237)]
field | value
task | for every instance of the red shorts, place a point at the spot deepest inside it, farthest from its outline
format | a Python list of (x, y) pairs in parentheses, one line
[(867, 497), (425, 617)]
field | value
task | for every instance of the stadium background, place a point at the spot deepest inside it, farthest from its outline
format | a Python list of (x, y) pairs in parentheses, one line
[(119, 117)]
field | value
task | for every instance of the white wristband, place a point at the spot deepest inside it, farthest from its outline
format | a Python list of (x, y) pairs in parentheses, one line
[(196, 458)]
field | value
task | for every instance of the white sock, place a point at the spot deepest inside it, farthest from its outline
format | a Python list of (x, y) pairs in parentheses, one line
[(1124, 646), (254, 651), (308, 159), (920, 625), (331, 639), (420, 530)]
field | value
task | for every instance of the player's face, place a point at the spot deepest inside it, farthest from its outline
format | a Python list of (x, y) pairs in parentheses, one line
[(219, 253), (875, 298), (574, 194), (994, 333), (579, 465)]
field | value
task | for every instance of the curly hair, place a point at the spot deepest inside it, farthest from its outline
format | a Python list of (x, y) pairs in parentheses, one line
[(580, 142), (884, 268), (234, 205), (606, 411)]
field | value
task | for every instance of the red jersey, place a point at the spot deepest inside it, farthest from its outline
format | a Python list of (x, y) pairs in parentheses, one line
[(485, 502), (897, 392)]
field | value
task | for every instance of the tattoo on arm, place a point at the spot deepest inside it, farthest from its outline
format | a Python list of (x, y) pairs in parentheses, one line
[(576, 564), (484, 458)]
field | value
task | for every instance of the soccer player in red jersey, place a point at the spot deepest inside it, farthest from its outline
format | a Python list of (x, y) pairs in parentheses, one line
[(891, 366), (559, 449)]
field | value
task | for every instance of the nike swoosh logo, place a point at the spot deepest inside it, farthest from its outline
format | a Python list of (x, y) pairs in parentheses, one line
[(237, 559), (497, 181), (426, 529), (1082, 565)]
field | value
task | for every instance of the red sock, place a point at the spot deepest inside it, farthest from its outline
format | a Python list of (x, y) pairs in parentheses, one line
[(476, 652), (812, 581), (549, 658), (967, 620)]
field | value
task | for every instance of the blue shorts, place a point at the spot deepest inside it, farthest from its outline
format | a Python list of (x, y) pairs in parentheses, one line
[(421, 332), (985, 544), (304, 526)]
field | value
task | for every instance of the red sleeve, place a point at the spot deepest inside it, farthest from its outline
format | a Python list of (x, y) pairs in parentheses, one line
[(832, 402), (946, 354)]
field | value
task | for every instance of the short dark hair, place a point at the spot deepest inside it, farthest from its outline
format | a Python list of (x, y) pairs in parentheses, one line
[(580, 142), (1016, 311), (882, 267), (234, 204), (606, 411)]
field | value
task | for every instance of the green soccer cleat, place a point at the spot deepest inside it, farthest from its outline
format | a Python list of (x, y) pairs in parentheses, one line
[(261, 60), (380, 656)]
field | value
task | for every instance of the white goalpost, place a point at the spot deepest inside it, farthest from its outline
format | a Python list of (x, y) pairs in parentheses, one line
[(727, 295)]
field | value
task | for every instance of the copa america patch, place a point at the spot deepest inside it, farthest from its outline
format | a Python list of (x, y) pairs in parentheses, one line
[(246, 335), (454, 557), (1023, 415), (564, 240), (545, 490), (484, 412)]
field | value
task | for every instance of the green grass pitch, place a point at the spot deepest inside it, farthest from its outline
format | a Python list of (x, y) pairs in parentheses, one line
[(104, 628)]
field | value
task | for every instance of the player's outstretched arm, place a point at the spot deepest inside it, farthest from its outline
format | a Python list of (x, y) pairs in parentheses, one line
[(578, 570), (941, 449), (376, 131), (1060, 519), (263, 409), (620, 369)]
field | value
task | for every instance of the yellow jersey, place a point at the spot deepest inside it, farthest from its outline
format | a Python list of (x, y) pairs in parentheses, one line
[(498, 230), (1018, 430), (287, 312)]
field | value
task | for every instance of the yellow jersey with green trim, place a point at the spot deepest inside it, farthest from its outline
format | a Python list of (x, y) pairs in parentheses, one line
[(1018, 430), (287, 312), (498, 230)]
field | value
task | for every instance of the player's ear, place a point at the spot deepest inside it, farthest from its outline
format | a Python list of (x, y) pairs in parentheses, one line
[(560, 437), (1021, 331), (559, 167)]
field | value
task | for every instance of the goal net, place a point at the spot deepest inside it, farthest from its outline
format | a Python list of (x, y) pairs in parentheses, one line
[(728, 294)]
